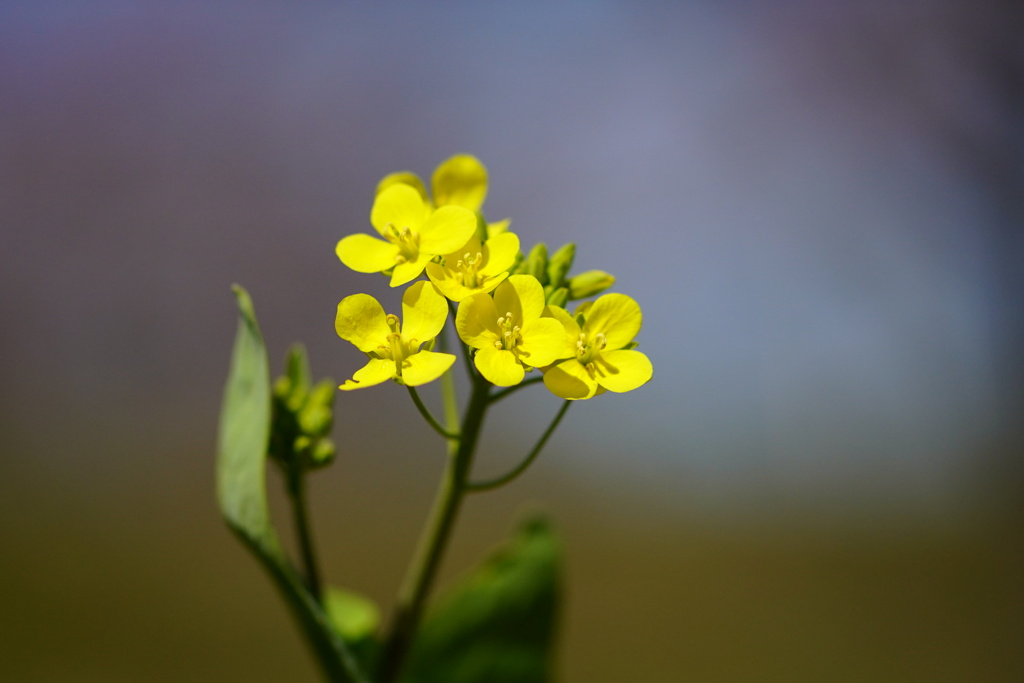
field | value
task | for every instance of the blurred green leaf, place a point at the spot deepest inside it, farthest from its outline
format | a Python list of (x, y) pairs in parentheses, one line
[(242, 494), (245, 431), (498, 624)]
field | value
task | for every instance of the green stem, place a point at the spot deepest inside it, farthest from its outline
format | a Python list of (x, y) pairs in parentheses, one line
[(475, 487), (303, 532), (431, 420), (448, 395), (423, 570), (497, 396)]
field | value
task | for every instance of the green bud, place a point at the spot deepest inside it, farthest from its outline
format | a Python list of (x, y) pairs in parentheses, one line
[(536, 263), (560, 263), (315, 418), (323, 453), (558, 297), (589, 283)]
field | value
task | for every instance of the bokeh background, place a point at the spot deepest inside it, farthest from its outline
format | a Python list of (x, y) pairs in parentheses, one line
[(818, 205)]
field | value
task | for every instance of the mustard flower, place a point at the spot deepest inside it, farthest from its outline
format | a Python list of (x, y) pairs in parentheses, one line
[(413, 234), (508, 331), (393, 345), (475, 268), (458, 181), (603, 358)]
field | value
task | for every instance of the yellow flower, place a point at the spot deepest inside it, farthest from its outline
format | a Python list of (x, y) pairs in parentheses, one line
[(458, 181), (413, 234), (600, 360), (475, 268), (508, 331), (394, 347)]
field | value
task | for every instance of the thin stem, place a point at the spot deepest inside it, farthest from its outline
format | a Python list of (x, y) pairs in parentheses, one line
[(423, 570), (497, 396), (448, 395), (474, 487), (303, 532), (431, 420)]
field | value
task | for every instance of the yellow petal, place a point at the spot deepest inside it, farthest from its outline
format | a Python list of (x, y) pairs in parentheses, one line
[(447, 230), (425, 366), (500, 253), (477, 321), (497, 227), (462, 181), (617, 316), (399, 206), (403, 178), (572, 330), (366, 254), (376, 371), (362, 321), (424, 311), (523, 295), (569, 379), (543, 342), (499, 367), (623, 370), (410, 270), (452, 288)]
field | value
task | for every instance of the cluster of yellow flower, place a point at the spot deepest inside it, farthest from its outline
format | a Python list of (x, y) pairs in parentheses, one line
[(511, 307)]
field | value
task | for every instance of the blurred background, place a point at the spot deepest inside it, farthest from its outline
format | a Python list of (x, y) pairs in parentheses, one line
[(818, 206)]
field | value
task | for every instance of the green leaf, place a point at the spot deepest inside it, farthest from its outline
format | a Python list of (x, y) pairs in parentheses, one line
[(245, 431), (242, 493), (498, 624)]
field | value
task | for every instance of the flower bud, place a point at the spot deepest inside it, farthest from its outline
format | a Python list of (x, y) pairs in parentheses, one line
[(536, 264), (322, 453), (589, 283), (560, 263), (558, 297)]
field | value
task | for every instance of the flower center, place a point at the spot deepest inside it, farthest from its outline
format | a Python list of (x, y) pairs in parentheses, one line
[(510, 333), (467, 270), (396, 349), (407, 241), (587, 349)]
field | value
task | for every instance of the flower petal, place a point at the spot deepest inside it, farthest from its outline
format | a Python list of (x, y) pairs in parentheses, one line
[(366, 254), (362, 321), (447, 230), (500, 253), (499, 367), (569, 379), (400, 206), (498, 227), (403, 178), (623, 370), (477, 321), (572, 330), (543, 342), (425, 366), (523, 295), (378, 370), (410, 270), (452, 288), (462, 181), (617, 316), (424, 311)]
